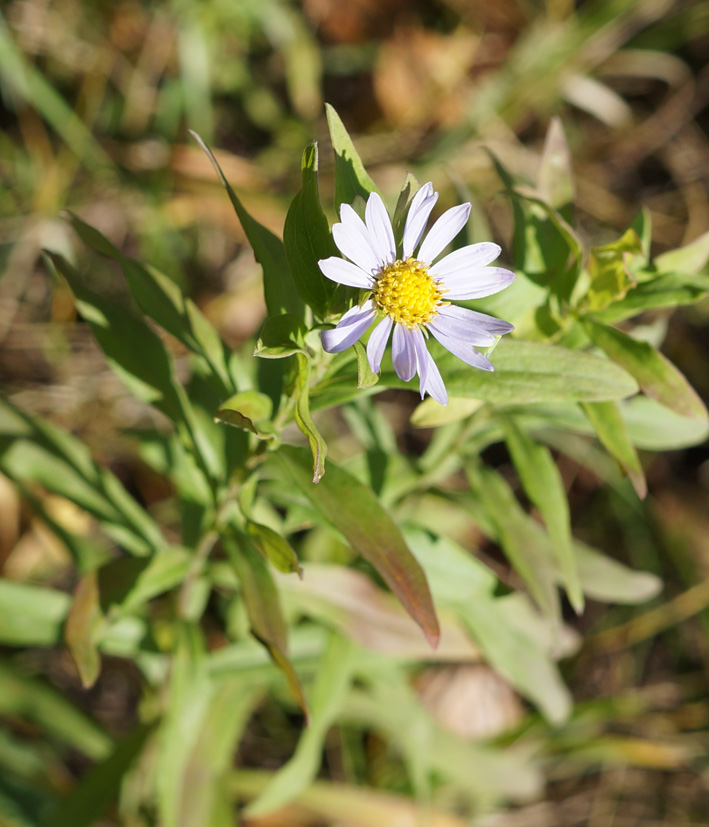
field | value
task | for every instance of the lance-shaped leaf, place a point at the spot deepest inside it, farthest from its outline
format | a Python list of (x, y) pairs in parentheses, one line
[(307, 239), (355, 511), (555, 181), (278, 285), (304, 420), (163, 301), (543, 485), (655, 374), (351, 178), (691, 258), (528, 372), (81, 626), (276, 549), (263, 606), (31, 615), (669, 290), (613, 434), (250, 411), (280, 336)]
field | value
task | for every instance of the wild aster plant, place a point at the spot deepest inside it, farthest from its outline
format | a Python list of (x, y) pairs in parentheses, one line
[(409, 291)]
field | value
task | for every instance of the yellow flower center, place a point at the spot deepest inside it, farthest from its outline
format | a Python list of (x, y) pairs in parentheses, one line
[(407, 292)]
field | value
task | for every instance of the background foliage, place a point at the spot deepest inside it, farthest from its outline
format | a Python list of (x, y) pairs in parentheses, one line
[(138, 546)]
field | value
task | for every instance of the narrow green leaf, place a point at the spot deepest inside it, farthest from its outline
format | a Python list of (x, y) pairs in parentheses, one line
[(278, 285), (608, 580), (100, 786), (519, 544), (366, 378), (692, 258), (351, 178), (307, 239), (355, 511), (669, 290), (655, 374), (609, 271), (163, 301), (276, 549), (263, 607), (31, 615), (304, 420), (528, 372), (613, 434), (328, 696), (543, 485), (406, 196), (80, 631)]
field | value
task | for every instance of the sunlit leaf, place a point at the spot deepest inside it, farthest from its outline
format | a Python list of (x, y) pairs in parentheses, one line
[(351, 178), (31, 615), (303, 419), (609, 271), (275, 548), (83, 620)]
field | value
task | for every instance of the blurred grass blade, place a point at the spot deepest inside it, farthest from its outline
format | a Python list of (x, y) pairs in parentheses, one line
[(278, 285), (83, 620), (31, 615), (327, 697), (613, 434), (351, 178), (355, 511), (307, 239), (655, 374), (543, 485), (263, 606), (555, 182), (99, 786)]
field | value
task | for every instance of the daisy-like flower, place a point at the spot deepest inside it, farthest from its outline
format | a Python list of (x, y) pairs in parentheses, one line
[(412, 292)]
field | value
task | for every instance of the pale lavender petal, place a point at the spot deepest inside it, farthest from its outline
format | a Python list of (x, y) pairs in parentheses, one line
[(403, 352), (463, 351), (443, 232), (417, 218), (350, 328), (344, 272), (468, 326), (430, 380), (377, 343), (352, 239), (476, 284), (380, 232), (466, 259)]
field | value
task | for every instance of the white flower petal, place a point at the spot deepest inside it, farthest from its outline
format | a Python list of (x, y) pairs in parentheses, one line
[(403, 352), (476, 284), (430, 380), (380, 232), (464, 260), (468, 326), (350, 328), (417, 218), (377, 343), (443, 232), (344, 272), (352, 239), (463, 351)]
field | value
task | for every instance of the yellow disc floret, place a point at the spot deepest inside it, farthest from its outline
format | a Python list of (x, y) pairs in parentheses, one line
[(407, 292)]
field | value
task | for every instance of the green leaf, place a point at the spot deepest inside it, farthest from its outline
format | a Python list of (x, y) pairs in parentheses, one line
[(82, 623), (278, 284), (521, 547), (613, 434), (528, 372), (31, 615), (670, 290), (280, 336), (692, 258), (304, 420), (163, 301), (128, 584), (327, 697), (276, 549), (44, 707), (610, 581), (351, 178), (99, 787), (609, 271), (365, 377), (306, 235), (656, 428), (250, 411), (355, 511), (655, 374), (406, 196), (544, 486), (263, 606)]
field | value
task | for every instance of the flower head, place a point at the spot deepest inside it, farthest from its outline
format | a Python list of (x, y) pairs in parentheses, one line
[(412, 293)]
